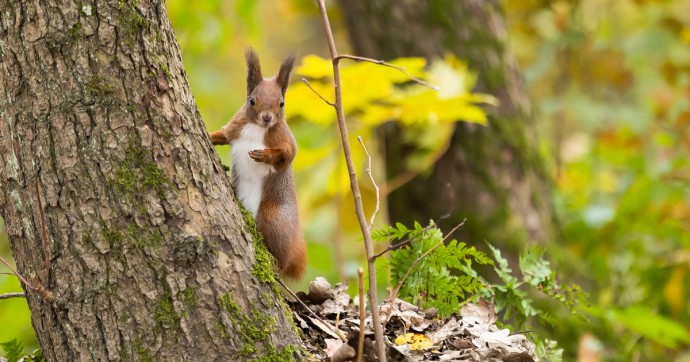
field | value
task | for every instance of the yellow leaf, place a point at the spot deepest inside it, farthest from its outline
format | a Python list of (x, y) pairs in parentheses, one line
[(416, 341), (450, 82), (674, 291), (313, 66), (377, 114), (413, 66), (406, 338), (302, 102)]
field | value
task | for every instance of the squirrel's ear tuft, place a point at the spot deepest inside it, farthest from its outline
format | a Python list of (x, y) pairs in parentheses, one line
[(254, 76), (283, 77)]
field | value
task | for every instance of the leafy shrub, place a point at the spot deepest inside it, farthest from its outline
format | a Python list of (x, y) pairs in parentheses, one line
[(14, 352), (434, 269), (442, 274)]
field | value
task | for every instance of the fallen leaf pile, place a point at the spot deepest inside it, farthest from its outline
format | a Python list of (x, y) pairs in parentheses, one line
[(332, 325)]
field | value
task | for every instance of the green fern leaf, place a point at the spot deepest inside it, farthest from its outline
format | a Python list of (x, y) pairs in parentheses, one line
[(13, 349)]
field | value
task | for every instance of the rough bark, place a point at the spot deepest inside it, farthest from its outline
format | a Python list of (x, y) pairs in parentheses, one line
[(496, 172), (150, 256)]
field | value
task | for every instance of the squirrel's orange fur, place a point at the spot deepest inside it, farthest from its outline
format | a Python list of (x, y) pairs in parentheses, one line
[(263, 149)]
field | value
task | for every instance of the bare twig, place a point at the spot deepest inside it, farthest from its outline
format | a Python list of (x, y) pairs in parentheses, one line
[(36, 286), (451, 208), (21, 278), (337, 237), (376, 187), (394, 294), (317, 93), (334, 329), (378, 328), (407, 241), (451, 201), (12, 295), (44, 236), (362, 314), (381, 62)]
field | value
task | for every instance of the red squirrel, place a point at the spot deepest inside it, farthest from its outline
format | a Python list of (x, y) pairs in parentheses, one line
[(263, 149)]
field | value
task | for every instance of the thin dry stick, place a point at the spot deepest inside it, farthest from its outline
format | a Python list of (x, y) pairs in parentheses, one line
[(376, 187), (407, 241), (36, 286), (333, 329), (451, 208), (381, 62), (26, 282), (373, 300), (362, 314), (12, 295), (338, 240), (317, 93), (394, 294), (44, 236), (337, 230)]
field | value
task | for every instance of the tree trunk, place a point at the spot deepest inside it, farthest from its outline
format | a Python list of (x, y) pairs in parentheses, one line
[(496, 172), (150, 257)]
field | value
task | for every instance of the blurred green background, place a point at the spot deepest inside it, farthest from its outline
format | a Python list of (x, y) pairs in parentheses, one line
[(609, 83)]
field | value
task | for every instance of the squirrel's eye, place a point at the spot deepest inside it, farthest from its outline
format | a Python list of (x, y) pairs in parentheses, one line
[(282, 103), (252, 101)]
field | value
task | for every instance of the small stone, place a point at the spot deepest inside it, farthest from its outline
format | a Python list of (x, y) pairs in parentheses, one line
[(430, 313), (320, 290)]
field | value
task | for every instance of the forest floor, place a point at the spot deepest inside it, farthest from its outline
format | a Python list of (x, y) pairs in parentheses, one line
[(331, 322)]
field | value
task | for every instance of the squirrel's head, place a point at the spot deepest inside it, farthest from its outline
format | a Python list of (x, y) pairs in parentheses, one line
[(266, 97)]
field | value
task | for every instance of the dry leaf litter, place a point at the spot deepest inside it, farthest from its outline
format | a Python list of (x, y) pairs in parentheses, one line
[(411, 334)]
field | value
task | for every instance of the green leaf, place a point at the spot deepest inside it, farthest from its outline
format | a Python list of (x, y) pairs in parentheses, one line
[(13, 349), (444, 278), (535, 268), (658, 328)]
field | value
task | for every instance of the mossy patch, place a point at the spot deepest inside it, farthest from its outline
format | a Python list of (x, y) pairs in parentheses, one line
[(99, 86), (131, 22), (166, 317), (138, 174), (188, 298), (222, 329), (132, 234), (164, 68), (264, 265), (253, 328), (113, 237), (285, 354), (76, 30), (142, 353)]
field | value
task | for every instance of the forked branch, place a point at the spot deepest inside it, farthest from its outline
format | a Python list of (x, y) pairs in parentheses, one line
[(317, 93), (376, 187), (373, 300), (381, 62)]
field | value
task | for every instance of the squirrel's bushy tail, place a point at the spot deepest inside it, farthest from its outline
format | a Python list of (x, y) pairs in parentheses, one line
[(297, 261)]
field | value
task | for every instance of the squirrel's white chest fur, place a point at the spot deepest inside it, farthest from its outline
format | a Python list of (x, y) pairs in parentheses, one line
[(249, 174)]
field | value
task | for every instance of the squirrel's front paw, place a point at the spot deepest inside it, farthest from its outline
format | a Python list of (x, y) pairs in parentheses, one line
[(261, 155)]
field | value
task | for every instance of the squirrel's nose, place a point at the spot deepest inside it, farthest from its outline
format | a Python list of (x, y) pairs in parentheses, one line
[(267, 117)]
